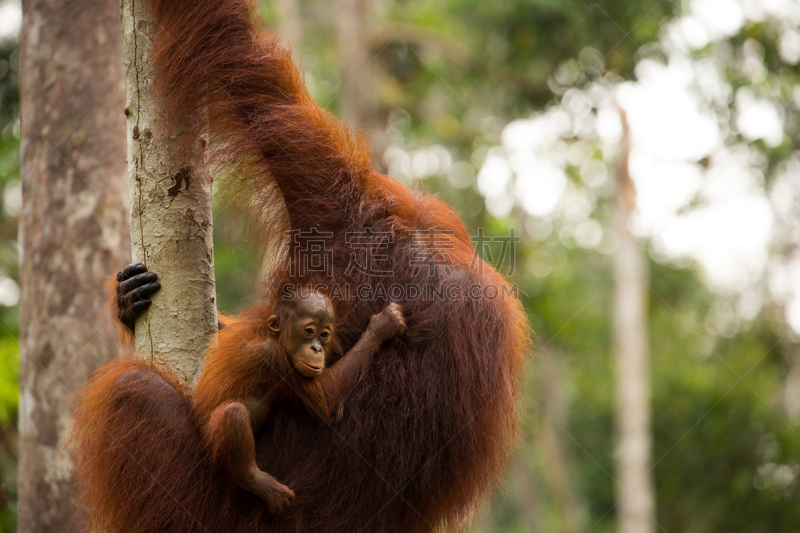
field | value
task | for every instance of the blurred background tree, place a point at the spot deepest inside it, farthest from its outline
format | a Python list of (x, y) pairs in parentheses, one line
[(507, 110), (73, 230)]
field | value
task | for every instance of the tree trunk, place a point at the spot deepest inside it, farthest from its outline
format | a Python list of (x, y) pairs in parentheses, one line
[(790, 392), (635, 499), (290, 26), (171, 228), (73, 233), (354, 63), (529, 500), (556, 460)]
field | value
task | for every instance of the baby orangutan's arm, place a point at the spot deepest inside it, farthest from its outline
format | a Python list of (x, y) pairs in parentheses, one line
[(382, 327)]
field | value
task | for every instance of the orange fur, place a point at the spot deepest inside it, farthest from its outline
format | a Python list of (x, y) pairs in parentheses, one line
[(424, 432)]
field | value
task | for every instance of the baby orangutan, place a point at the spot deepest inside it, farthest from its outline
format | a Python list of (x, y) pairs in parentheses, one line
[(263, 360)]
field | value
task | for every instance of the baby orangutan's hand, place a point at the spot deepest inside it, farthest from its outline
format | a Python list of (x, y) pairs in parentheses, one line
[(389, 323)]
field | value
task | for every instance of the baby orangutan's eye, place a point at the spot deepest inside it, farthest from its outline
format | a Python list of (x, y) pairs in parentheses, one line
[(309, 330), (324, 335)]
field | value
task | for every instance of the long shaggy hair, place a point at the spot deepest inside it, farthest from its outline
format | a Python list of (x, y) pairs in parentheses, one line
[(424, 432)]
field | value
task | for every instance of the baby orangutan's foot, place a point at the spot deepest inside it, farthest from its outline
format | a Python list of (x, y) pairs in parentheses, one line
[(277, 496)]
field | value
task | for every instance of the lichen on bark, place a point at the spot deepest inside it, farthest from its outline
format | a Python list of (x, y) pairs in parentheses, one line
[(171, 223)]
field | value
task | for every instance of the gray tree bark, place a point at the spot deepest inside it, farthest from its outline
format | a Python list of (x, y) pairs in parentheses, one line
[(635, 493), (171, 226), (73, 233), (290, 24), (353, 48), (556, 460)]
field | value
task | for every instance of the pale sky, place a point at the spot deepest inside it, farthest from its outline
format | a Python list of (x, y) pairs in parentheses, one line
[(10, 19)]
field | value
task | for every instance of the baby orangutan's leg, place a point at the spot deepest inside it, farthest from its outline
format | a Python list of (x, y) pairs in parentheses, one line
[(231, 439)]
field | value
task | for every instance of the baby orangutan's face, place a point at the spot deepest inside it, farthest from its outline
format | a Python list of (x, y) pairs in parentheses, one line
[(309, 331)]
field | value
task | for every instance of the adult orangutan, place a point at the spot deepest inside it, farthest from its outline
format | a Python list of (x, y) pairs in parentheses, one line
[(421, 431)]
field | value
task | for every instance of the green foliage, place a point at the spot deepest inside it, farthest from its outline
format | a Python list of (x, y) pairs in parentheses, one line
[(470, 59), (9, 399), (9, 374), (725, 457), (235, 264), (9, 316)]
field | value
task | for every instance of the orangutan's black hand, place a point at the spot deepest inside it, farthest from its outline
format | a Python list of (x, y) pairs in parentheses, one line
[(135, 286)]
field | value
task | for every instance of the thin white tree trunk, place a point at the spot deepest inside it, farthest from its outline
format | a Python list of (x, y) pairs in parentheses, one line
[(556, 460), (635, 493), (171, 229), (354, 59), (529, 500), (73, 234), (790, 394), (290, 26)]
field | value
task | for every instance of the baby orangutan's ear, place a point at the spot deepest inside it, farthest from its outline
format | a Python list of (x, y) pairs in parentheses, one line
[(273, 324)]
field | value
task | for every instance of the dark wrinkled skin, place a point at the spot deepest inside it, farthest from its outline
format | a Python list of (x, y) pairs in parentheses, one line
[(135, 287)]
